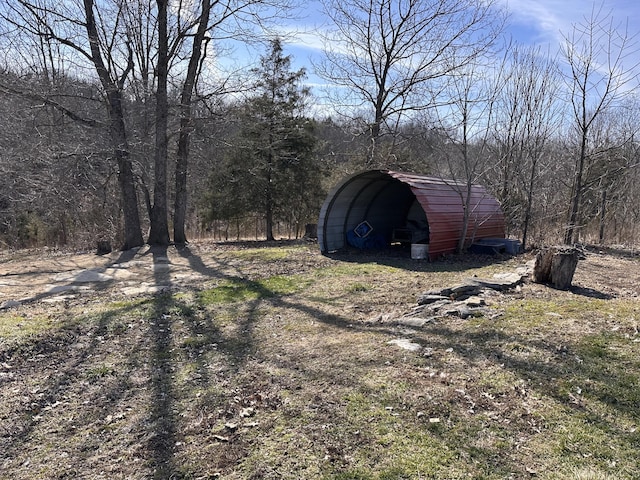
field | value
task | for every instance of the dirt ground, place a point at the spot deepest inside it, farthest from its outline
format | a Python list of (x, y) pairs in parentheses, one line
[(172, 388), (52, 276)]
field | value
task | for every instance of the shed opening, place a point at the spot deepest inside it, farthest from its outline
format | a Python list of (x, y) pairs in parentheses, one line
[(406, 209)]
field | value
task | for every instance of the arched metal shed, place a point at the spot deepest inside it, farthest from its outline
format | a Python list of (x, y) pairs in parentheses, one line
[(379, 207)]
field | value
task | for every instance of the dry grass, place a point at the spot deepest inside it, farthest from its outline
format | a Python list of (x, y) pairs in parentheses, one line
[(279, 367)]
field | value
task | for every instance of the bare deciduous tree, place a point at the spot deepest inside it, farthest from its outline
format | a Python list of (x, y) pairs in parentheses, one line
[(91, 37), (602, 72), (392, 57), (527, 115), (466, 123)]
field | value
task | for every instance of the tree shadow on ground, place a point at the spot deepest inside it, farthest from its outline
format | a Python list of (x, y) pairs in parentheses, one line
[(590, 292), (586, 382), (400, 258), (238, 347), (70, 351), (160, 348), (621, 252), (202, 336), (74, 284), (162, 411)]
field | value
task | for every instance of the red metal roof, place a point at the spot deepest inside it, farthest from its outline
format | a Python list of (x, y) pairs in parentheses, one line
[(386, 199), (443, 203)]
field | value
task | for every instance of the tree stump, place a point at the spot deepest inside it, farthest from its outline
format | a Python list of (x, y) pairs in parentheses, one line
[(556, 266), (104, 247), (311, 230)]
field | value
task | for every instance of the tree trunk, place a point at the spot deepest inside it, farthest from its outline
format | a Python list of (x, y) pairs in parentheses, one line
[(603, 211), (180, 206), (269, 220), (113, 90), (529, 204), (132, 231), (466, 215), (466, 196), (159, 234), (571, 234)]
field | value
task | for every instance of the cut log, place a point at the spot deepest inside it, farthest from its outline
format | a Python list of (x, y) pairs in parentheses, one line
[(556, 266)]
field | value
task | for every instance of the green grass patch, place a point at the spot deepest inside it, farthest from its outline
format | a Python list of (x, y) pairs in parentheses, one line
[(356, 269), (611, 371), (357, 288), (16, 326), (536, 312), (242, 290), (395, 444), (97, 372), (267, 254), (128, 304)]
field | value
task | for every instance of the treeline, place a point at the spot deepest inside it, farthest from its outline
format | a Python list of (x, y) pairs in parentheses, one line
[(114, 130), (252, 161)]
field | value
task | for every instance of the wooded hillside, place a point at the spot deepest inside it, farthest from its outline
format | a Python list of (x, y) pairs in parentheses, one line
[(124, 121)]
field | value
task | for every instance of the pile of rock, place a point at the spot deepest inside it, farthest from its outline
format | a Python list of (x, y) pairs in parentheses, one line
[(465, 300), (468, 299)]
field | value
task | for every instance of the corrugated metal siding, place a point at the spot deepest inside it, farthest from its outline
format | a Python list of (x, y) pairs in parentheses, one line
[(344, 201), (380, 197)]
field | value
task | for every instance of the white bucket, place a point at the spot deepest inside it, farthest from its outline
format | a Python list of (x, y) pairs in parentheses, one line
[(419, 251)]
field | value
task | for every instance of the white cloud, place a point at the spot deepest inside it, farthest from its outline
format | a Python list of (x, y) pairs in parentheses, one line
[(547, 20), (307, 38)]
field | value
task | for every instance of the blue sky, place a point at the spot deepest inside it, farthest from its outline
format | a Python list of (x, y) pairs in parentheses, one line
[(541, 21), (537, 22), (530, 22)]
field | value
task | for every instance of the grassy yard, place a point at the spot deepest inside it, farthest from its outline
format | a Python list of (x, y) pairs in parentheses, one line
[(279, 366)]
